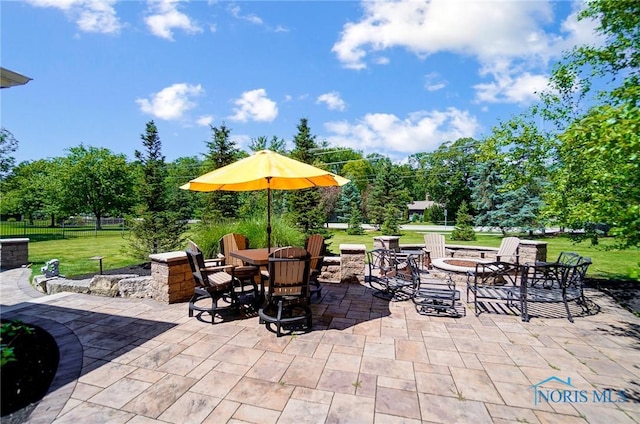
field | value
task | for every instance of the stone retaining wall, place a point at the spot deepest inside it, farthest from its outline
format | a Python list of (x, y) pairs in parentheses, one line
[(14, 252)]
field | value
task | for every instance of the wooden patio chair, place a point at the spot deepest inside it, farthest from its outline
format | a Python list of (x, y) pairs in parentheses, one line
[(508, 250), (247, 275), (316, 248), (210, 284), (286, 303), (433, 248)]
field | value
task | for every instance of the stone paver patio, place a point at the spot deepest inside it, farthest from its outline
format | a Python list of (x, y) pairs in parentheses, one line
[(367, 361)]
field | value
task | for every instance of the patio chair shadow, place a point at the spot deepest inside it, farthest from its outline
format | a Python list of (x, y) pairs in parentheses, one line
[(538, 310)]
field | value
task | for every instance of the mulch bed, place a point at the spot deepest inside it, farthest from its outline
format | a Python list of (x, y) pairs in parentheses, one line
[(142, 269)]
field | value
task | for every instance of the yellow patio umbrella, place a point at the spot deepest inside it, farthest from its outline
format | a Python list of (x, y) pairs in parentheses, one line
[(265, 170)]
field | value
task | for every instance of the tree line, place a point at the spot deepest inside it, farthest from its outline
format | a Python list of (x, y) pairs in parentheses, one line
[(571, 160)]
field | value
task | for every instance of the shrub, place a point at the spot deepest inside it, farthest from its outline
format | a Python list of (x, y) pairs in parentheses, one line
[(463, 229), (434, 214), (207, 234), (390, 225)]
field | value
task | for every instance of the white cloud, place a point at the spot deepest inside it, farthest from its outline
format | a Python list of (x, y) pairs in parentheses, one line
[(254, 105), (510, 86), (475, 28), (433, 82), (90, 15), (388, 134), (494, 33), (172, 102), (163, 17), (332, 100), (235, 12), (280, 28), (204, 120)]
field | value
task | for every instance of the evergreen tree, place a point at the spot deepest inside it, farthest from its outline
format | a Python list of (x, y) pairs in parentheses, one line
[(388, 198), (157, 229), (221, 152), (390, 225), (305, 206), (355, 221), (463, 229), (349, 197), (512, 171), (348, 209)]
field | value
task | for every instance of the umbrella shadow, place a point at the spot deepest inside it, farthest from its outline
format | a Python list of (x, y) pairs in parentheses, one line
[(346, 305)]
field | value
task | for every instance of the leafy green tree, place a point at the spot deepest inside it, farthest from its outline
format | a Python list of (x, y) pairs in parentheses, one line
[(597, 175), (188, 204), (434, 214), (305, 208), (601, 184), (95, 180), (511, 175), (464, 225), (8, 145), (388, 197), (33, 188), (222, 151), (156, 229), (447, 172)]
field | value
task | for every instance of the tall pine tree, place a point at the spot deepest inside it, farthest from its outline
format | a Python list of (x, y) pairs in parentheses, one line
[(305, 205), (221, 152), (156, 229)]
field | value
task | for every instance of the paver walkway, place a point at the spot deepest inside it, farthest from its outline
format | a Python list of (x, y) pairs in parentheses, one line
[(367, 361)]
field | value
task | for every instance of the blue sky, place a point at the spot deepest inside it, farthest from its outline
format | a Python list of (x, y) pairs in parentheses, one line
[(393, 78)]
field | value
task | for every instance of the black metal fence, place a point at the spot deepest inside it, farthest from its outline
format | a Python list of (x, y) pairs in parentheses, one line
[(38, 230)]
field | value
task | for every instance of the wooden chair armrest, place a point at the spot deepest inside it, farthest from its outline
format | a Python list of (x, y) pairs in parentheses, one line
[(218, 261), (499, 257), (216, 268)]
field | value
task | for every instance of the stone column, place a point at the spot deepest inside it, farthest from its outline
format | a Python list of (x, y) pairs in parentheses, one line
[(14, 252), (352, 263), (532, 251), (387, 242), (172, 281)]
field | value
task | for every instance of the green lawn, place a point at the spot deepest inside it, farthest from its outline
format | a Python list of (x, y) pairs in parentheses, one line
[(74, 253)]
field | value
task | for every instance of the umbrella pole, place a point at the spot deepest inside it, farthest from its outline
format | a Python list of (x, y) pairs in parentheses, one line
[(268, 214)]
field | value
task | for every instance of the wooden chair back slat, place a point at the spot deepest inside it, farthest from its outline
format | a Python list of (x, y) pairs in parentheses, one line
[(315, 247), (434, 243), (230, 243), (288, 272)]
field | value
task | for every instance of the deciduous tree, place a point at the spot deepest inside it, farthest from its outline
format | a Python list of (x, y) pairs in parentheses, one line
[(95, 180)]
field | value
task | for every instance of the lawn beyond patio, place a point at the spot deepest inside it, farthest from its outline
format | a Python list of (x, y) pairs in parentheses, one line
[(74, 253)]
